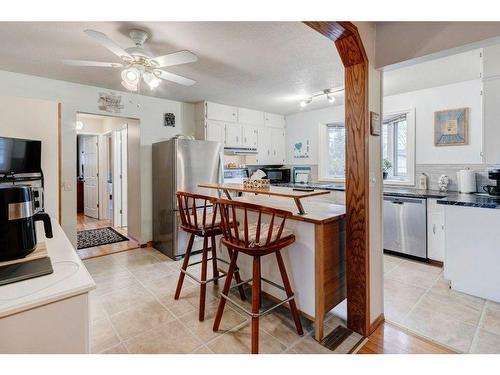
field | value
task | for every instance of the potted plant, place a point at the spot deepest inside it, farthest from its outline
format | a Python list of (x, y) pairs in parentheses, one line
[(386, 166)]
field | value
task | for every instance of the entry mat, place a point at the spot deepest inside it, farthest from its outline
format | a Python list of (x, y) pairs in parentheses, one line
[(25, 270), (98, 237)]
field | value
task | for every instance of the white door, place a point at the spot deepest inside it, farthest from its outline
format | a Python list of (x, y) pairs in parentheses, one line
[(90, 177), (123, 180)]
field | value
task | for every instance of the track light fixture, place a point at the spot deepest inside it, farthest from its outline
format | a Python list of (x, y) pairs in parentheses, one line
[(328, 93)]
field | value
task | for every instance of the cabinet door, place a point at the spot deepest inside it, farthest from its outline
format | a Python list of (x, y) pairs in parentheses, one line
[(274, 120), (215, 131), (491, 114), (250, 116), (233, 135), (221, 112), (250, 136), (278, 146), (435, 236), (263, 146)]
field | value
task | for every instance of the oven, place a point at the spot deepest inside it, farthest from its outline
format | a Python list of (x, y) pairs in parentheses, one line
[(278, 175)]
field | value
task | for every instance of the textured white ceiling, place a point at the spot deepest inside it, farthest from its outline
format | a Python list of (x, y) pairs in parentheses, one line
[(438, 72), (268, 66)]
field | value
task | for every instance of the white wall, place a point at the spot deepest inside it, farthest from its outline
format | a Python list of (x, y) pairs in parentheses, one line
[(303, 126), (426, 102), (81, 98), (35, 119)]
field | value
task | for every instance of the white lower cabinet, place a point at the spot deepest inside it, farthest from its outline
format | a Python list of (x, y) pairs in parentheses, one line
[(435, 230)]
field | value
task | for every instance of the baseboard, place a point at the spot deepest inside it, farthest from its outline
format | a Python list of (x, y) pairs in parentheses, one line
[(436, 263), (286, 305), (376, 323)]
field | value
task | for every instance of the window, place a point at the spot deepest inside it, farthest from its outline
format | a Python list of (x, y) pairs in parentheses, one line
[(331, 163), (398, 147)]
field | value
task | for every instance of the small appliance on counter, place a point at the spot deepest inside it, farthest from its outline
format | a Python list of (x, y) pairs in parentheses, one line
[(17, 222), (493, 174), (466, 181), (301, 175), (277, 175)]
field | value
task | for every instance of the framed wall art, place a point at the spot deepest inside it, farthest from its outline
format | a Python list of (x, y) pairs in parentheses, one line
[(451, 127)]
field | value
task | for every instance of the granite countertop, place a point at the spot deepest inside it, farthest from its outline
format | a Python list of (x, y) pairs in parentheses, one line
[(414, 193), (471, 200)]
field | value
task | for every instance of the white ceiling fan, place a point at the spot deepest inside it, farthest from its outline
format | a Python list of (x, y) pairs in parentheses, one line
[(138, 64)]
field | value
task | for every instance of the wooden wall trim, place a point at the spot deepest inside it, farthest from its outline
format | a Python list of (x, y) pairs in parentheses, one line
[(353, 55), (59, 161)]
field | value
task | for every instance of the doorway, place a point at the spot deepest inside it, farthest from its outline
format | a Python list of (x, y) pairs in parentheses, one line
[(102, 185)]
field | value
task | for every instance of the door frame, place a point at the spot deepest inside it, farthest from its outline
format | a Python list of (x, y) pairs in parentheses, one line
[(350, 47)]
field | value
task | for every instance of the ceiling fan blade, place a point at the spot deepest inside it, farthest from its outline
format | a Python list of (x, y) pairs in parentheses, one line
[(175, 78), (176, 58), (103, 40), (92, 63)]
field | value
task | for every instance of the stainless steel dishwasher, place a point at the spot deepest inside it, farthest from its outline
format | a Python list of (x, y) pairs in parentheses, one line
[(405, 226)]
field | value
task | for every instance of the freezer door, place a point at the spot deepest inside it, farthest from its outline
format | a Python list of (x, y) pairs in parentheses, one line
[(198, 162)]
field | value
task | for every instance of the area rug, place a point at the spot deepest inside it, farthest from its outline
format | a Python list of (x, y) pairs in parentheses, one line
[(98, 237)]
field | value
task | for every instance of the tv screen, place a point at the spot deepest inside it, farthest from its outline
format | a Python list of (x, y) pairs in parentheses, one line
[(20, 155)]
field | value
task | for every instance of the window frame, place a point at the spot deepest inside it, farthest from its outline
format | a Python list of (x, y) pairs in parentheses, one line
[(323, 152), (411, 147)]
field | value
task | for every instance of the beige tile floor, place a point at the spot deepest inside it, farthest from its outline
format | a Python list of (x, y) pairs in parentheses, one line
[(417, 297), (133, 311)]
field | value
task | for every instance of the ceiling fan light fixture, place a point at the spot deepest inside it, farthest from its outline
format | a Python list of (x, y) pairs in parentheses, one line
[(129, 86), (151, 80)]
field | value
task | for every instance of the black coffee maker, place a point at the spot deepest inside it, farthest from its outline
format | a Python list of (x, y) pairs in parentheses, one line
[(17, 222), (493, 174)]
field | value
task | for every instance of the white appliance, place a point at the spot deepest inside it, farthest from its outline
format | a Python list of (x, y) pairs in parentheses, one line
[(466, 181)]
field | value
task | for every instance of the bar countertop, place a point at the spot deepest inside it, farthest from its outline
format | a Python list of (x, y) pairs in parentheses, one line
[(318, 212)]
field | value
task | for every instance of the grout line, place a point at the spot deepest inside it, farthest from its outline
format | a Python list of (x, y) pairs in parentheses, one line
[(479, 324)]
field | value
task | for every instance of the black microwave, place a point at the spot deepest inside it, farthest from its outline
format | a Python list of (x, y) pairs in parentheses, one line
[(278, 175)]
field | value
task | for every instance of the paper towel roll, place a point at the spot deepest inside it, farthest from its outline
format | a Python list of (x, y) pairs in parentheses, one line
[(466, 180)]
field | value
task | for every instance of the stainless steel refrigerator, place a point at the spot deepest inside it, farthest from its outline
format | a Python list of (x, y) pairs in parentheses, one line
[(180, 165)]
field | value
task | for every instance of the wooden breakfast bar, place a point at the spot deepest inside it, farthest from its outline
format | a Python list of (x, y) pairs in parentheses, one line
[(315, 261)]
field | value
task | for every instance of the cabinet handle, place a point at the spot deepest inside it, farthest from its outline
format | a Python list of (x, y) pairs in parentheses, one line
[(274, 152), (434, 228), (237, 139), (245, 140)]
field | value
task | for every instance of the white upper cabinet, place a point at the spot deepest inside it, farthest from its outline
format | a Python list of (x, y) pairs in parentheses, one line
[(278, 146), (233, 135), (216, 131), (250, 117), (274, 120), (250, 136), (271, 146), (221, 112)]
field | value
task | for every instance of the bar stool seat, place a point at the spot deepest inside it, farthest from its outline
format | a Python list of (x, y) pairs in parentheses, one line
[(204, 224), (256, 240)]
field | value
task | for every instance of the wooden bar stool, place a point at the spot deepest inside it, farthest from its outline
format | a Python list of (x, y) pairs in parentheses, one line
[(204, 224), (256, 240)]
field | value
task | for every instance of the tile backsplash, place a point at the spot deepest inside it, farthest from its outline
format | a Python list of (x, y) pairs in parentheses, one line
[(433, 171)]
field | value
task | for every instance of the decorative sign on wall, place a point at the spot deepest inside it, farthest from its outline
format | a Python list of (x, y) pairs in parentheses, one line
[(169, 119), (451, 127), (301, 150), (375, 128), (110, 102)]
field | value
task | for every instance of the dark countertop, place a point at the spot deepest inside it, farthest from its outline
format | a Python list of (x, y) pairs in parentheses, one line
[(414, 193), (471, 200)]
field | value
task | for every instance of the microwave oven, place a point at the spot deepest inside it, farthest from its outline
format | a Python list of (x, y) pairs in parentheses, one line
[(277, 175)]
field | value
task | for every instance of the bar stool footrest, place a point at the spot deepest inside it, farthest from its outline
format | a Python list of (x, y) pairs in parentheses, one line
[(193, 277), (265, 312)]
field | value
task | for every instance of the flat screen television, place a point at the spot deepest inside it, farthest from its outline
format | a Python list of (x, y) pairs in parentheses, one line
[(20, 156)]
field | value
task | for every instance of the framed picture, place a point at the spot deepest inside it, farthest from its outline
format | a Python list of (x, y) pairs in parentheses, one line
[(451, 127), (375, 123), (169, 119)]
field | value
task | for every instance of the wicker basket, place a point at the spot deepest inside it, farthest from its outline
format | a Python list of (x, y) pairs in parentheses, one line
[(256, 184)]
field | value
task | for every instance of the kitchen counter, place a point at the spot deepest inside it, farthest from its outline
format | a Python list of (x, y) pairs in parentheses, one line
[(471, 200), (48, 314)]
